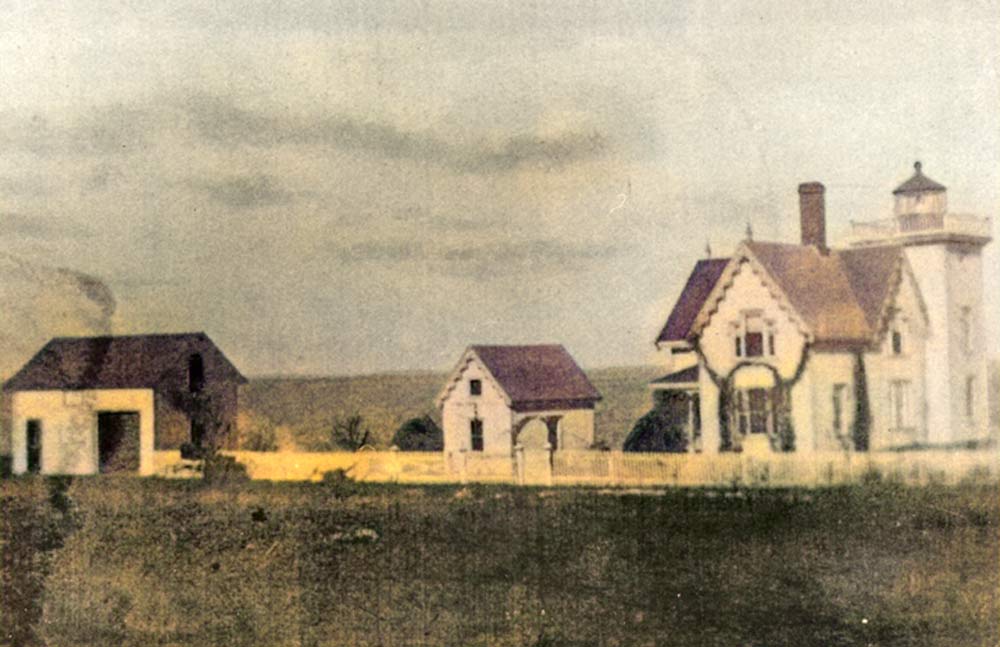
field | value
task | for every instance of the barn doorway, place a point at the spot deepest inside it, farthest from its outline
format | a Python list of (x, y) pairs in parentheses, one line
[(118, 441)]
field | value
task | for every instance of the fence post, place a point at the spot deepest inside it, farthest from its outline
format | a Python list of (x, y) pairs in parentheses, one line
[(613, 473), (519, 463), (549, 463), (463, 468)]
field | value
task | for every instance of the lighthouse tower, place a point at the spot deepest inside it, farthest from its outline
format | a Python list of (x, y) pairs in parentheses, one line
[(945, 252)]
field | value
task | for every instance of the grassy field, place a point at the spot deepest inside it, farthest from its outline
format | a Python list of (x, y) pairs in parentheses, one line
[(145, 562), (303, 409)]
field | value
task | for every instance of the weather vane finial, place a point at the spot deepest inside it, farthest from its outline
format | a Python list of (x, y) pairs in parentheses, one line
[(708, 249), (749, 231), (917, 166)]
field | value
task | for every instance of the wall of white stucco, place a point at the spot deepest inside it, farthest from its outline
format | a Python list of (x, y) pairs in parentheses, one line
[(69, 427)]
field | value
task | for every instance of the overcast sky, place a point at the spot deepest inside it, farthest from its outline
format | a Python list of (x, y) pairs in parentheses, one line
[(356, 187)]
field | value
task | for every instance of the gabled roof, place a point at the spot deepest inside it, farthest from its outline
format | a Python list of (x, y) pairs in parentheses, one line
[(841, 296), (699, 285), (124, 362), (687, 375), (533, 377), (918, 183)]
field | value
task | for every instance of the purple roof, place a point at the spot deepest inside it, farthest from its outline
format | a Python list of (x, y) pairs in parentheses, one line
[(125, 362), (538, 376), (703, 278), (683, 376)]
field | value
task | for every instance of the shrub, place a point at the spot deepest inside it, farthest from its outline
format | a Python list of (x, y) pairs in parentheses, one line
[(654, 432), (256, 433), (419, 435), (340, 483), (220, 469)]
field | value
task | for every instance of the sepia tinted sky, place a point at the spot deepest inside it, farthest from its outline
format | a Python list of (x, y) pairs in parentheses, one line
[(364, 186)]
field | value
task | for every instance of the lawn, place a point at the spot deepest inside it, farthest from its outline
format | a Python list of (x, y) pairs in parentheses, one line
[(146, 562)]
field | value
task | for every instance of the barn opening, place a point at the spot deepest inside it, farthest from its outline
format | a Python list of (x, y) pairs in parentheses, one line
[(118, 441)]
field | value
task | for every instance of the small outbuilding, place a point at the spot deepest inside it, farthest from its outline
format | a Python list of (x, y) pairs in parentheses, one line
[(501, 396), (88, 405)]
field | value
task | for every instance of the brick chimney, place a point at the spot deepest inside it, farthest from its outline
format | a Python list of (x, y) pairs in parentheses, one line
[(812, 214)]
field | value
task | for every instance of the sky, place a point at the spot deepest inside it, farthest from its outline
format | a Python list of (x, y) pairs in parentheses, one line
[(355, 187)]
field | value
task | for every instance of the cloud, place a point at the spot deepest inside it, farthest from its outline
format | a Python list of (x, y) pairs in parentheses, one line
[(106, 130), (483, 260), (245, 192), (17, 225), (223, 123)]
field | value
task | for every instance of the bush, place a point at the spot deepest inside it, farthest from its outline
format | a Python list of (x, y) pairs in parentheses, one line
[(654, 432), (419, 435), (256, 433), (340, 483), (220, 469)]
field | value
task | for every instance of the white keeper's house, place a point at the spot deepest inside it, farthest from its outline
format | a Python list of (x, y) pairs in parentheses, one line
[(804, 347)]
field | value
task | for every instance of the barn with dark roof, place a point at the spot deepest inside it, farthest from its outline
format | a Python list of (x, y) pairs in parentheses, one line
[(803, 347), (499, 397), (85, 405)]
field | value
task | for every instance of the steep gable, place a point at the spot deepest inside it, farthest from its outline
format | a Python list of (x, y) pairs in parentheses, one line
[(107, 362), (699, 286), (531, 376)]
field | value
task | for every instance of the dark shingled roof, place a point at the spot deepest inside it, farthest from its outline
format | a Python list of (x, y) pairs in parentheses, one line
[(126, 362), (703, 278), (840, 294), (538, 376), (683, 376), (919, 182)]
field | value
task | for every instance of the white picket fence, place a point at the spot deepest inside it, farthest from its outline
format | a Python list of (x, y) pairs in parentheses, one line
[(616, 468)]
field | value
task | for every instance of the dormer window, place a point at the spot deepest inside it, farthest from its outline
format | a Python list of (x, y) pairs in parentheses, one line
[(897, 342), (475, 387), (750, 337)]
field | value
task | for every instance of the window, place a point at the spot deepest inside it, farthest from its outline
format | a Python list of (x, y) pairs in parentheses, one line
[(770, 344), (839, 394), (475, 387), (755, 344), (897, 342), (899, 404), (970, 396), (476, 434), (196, 373), (33, 433), (753, 411), (739, 347), (965, 328)]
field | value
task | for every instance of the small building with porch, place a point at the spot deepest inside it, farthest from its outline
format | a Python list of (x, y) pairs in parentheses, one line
[(499, 397), (89, 405)]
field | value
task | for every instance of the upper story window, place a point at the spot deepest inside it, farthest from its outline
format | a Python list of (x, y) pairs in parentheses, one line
[(897, 342), (475, 387), (755, 337), (196, 373)]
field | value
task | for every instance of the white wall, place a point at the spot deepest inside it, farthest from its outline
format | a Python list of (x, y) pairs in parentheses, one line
[(950, 279), (69, 427), (460, 408), (748, 292)]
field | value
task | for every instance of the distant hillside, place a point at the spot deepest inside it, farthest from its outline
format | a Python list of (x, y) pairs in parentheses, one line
[(303, 409)]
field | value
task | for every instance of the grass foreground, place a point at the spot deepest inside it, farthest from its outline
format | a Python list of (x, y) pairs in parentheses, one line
[(125, 561)]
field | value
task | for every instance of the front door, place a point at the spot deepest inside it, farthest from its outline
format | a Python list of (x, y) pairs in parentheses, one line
[(118, 441)]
